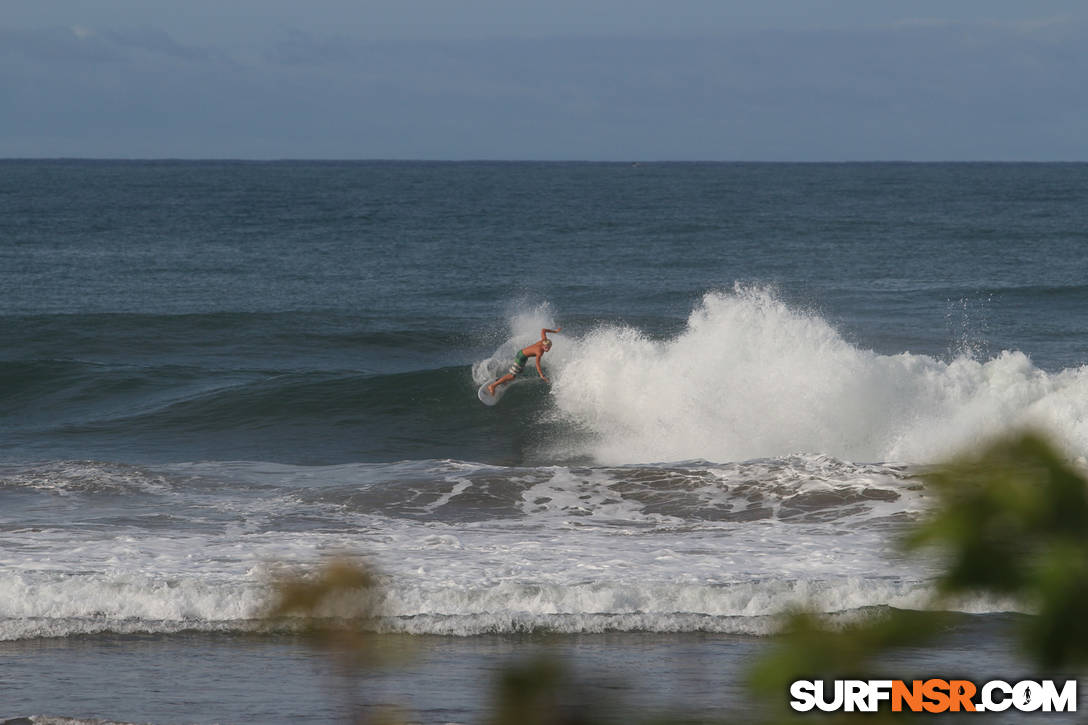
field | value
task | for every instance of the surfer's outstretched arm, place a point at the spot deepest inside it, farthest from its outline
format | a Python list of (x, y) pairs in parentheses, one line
[(545, 331), (539, 371)]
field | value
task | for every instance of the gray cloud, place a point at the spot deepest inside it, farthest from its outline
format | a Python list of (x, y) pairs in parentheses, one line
[(920, 90), (157, 42)]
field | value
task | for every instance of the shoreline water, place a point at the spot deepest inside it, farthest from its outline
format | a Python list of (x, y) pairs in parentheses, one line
[(208, 678)]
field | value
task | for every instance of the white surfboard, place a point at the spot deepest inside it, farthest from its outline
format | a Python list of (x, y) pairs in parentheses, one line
[(487, 398)]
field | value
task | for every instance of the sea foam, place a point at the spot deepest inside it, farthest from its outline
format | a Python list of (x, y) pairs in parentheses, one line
[(751, 377), (94, 604)]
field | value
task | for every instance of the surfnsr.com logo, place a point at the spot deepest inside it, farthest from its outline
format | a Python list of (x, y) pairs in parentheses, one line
[(933, 696)]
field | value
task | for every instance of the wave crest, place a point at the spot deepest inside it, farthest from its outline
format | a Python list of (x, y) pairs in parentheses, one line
[(751, 377)]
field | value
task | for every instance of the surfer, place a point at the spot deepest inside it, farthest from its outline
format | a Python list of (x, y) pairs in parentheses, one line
[(536, 350)]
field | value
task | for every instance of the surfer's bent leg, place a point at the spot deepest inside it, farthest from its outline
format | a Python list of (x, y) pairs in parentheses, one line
[(515, 370), (501, 381)]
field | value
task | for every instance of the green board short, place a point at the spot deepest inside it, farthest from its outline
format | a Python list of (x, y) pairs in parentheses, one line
[(519, 363)]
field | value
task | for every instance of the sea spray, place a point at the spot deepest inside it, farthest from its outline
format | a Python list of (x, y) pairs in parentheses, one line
[(751, 377), (525, 321)]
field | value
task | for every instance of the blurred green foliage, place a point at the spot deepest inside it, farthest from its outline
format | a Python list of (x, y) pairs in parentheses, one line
[(1009, 520), (811, 647), (335, 607), (1013, 520), (539, 692)]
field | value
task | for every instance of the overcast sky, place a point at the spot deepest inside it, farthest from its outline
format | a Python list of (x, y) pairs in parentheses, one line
[(566, 79)]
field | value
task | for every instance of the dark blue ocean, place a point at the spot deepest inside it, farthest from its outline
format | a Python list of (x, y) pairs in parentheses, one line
[(210, 368)]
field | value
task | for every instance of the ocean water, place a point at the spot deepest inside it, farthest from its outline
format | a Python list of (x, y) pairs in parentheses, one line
[(211, 369)]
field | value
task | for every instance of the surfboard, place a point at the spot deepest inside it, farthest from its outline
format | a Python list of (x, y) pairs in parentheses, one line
[(487, 398)]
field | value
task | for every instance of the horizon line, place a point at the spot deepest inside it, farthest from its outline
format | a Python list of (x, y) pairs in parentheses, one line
[(628, 162)]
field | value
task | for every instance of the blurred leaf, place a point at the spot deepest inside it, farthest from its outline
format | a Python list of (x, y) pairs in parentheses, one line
[(529, 694), (810, 647), (543, 691), (313, 596), (1013, 520), (337, 607)]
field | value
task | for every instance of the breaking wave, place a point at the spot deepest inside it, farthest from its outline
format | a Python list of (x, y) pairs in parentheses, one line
[(750, 377)]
